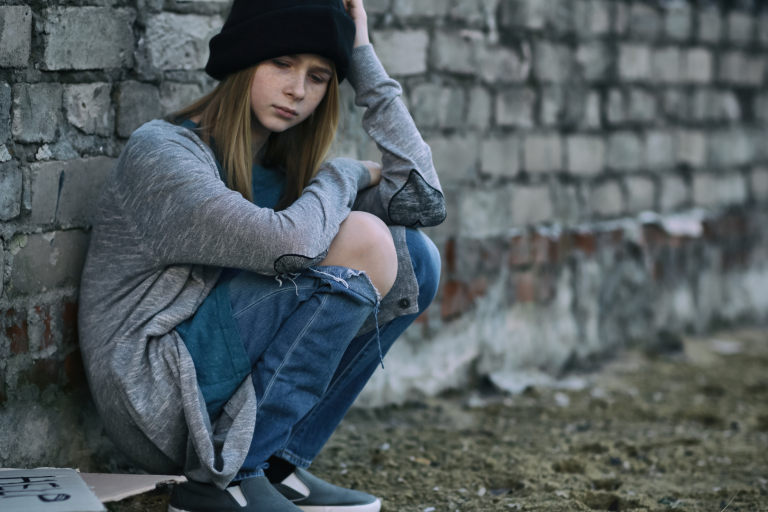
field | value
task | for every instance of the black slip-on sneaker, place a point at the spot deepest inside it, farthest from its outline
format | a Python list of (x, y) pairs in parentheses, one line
[(252, 495), (312, 494)]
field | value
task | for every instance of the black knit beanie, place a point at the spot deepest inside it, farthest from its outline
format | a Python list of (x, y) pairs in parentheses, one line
[(257, 30)]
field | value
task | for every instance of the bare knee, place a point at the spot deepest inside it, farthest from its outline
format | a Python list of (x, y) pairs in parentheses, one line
[(365, 243)]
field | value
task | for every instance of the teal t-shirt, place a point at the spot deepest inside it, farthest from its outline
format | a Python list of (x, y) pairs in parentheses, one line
[(211, 335)]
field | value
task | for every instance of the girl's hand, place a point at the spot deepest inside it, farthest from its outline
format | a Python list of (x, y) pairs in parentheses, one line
[(357, 13), (374, 169)]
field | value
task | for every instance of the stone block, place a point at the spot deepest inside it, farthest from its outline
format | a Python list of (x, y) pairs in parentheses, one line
[(455, 158), (762, 29), (502, 65), (531, 205), (634, 62), (36, 112), (667, 65), (514, 107), (180, 41), (468, 11), (691, 148), (626, 152), (137, 103), (594, 60), (585, 154), (377, 6), (698, 66), (484, 213), (674, 193), (740, 27), (5, 112), (677, 23), (402, 52), (677, 104), (552, 106), (760, 107), (711, 191), (437, 107), (43, 262), (175, 96), (641, 106), (620, 18), (66, 193), (529, 14), (729, 147), (660, 150), (759, 184), (597, 18), (425, 8), (591, 118), (616, 109), (605, 199), (641, 194), (500, 156), (552, 62), (710, 25), (738, 68), (542, 153), (644, 21), (713, 105), (10, 190), (89, 108), (479, 112), (567, 202), (453, 53), (15, 36), (87, 38)]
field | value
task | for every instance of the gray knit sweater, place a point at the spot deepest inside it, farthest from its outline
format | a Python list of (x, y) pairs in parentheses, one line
[(167, 224)]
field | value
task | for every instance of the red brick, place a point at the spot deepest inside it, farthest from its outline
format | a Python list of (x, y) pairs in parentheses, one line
[(74, 369), (585, 242), (477, 288), (525, 287), (455, 300), (69, 318), (42, 373), (520, 251), (654, 237), (44, 312), (450, 255), (16, 328)]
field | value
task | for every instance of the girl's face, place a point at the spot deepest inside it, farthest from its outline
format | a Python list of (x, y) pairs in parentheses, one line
[(286, 90)]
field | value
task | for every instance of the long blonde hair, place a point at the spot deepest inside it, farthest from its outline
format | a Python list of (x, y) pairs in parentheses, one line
[(299, 151)]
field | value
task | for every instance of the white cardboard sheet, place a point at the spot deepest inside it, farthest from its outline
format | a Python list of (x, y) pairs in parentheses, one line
[(113, 487), (46, 490)]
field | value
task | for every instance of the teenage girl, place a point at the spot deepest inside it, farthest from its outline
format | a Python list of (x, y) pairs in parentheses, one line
[(239, 291)]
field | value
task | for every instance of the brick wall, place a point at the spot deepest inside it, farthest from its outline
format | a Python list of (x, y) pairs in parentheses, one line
[(603, 163)]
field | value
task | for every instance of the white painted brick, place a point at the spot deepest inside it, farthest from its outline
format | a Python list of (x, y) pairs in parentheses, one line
[(606, 199), (666, 65), (759, 184), (542, 153), (89, 108), (642, 106), (180, 41), (644, 21), (698, 66), (501, 156), (676, 104), (585, 154), (673, 194), (453, 53), (677, 23), (434, 106), (15, 36), (660, 150), (426, 8), (711, 191), (455, 158), (552, 62), (514, 107), (729, 147), (594, 60), (402, 52), (87, 38), (484, 213), (691, 148), (740, 27), (599, 22), (591, 117), (641, 192), (710, 25), (479, 111), (738, 68), (531, 205), (626, 152), (634, 62), (502, 65), (616, 110)]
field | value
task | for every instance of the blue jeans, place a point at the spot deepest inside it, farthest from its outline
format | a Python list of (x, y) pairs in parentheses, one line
[(308, 367)]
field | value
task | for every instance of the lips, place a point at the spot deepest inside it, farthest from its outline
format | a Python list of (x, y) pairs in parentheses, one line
[(286, 112)]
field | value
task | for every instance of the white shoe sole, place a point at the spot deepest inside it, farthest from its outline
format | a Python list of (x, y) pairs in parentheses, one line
[(370, 507)]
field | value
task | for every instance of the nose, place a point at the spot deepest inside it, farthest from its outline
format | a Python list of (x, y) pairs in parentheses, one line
[(295, 87)]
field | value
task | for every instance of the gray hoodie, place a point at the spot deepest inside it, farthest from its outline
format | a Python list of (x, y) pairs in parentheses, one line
[(165, 228)]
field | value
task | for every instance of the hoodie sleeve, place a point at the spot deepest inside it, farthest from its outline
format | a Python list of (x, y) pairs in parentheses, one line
[(409, 193), (169, 188)]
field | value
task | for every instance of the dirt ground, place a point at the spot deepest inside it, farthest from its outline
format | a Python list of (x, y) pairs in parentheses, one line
[(681, 430)]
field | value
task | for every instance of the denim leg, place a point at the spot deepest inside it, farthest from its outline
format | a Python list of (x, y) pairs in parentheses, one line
[(360, 361), (295, 335)]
